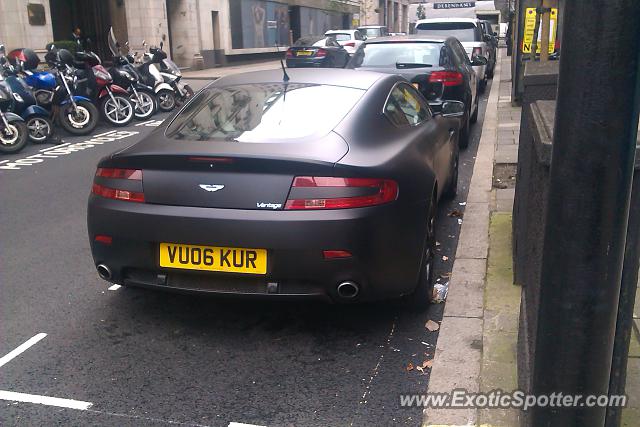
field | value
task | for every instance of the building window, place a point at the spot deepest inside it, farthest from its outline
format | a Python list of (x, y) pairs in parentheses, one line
[(258, 23), (36, 14)]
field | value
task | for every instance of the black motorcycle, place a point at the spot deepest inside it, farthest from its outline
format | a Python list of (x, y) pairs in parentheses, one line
[(13, 130), (126, 75)]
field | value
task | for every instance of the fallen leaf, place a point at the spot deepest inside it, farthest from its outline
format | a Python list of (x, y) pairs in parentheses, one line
[(456, 213), (410, 367), (445, 258), (427, 364), (463, 203), (432, 326), (437, 243), (459, 221), (419, 368)]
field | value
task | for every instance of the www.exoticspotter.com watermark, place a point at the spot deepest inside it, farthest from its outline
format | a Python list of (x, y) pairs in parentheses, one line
[(461, 398)]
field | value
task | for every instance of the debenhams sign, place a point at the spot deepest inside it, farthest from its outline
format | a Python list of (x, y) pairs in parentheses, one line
[(454, 5)]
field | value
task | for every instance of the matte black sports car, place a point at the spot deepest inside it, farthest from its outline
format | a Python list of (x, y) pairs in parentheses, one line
[(317, 51), (438, 67), (324, 185)]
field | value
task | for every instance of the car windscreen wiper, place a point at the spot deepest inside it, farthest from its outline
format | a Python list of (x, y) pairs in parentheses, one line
[(412, 65)]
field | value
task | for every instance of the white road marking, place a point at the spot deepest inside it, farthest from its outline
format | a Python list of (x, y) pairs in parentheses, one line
[(44, 400), (233, 424), (114, 287), (21, 348)]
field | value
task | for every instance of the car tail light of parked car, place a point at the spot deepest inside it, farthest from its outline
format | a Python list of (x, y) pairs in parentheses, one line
[(350, 44), (116, 176), (447, 78), (382, 191), (320, 53)]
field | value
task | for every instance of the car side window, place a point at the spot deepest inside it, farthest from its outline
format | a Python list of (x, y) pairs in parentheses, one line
[(405, 106)]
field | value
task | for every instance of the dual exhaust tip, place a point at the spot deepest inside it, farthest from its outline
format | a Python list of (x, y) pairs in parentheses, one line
[(346, 290), (104, 272)]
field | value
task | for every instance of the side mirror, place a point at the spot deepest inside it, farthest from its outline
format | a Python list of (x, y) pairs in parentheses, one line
[(453, 109), (495, 34), (486, 37), (479, 60), (2, 49)]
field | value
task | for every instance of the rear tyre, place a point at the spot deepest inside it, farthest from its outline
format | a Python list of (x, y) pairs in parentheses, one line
[(166, 100), (39, 128), (80, 121), (474, 116), (420, 299), (465, 132), (452, 187), (13, 138)]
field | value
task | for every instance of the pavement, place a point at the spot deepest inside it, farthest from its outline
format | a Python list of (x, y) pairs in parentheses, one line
[(476, 348), (216, 73), (75, 350)]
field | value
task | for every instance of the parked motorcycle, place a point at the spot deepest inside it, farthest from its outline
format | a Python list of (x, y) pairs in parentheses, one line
[(113, 100), (55, 91), (151, 76), (37, 119), (13, 130), (171, 74), (126, 75)]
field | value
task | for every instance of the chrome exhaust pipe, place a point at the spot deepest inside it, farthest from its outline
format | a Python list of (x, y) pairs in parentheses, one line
[(348, 290), (104, 272)]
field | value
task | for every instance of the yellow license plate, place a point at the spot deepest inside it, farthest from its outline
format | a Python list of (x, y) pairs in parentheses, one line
[(212, 258), (304, 53)]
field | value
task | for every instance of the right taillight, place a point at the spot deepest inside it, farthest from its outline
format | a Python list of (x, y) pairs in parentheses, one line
[(447, 78), (113, 177), (349, 193), (321, 53)]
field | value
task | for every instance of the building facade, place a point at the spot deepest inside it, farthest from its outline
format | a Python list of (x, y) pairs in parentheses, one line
[(394, 14), (196, 33)]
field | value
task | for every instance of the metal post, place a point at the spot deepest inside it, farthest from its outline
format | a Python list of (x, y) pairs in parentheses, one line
[(588, 206)]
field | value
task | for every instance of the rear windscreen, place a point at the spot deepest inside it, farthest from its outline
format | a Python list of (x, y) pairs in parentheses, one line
[(390, 55), (264, 112), (463, 31), (308, 41), (341, 37)]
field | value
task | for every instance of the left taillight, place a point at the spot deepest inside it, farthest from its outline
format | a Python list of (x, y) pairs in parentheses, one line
[(111, 186), (349, 192)]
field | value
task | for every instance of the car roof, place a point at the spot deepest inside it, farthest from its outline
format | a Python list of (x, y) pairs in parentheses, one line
[(408, 38), (339, 31), (326, 76), (430, 20)]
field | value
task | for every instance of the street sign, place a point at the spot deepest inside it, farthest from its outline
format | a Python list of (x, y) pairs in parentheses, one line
[(530, 25), (454, 5)]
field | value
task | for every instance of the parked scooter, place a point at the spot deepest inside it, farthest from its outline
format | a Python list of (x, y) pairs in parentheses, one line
[(126, 75), (37, 119), (113, 100), (171, 74), (55, 91), (151, 76)]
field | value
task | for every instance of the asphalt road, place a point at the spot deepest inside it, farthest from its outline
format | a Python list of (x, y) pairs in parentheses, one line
[(148, 358)]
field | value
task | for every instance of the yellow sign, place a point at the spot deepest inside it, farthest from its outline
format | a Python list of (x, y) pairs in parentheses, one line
[(530, 25)]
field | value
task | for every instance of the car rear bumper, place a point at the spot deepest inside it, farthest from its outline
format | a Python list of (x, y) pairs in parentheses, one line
[(386, 243), (305, 62)]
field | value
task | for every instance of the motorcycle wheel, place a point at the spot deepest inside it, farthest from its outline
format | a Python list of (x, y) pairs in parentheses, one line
[(189, 91), (166, 100), (147, 105), (13, 138), (80, 122), (117, 111), (39, 128)]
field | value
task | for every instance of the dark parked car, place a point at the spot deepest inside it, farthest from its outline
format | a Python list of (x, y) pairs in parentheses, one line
[(438, 67), (320, 185), (317, 51), (490, 37)]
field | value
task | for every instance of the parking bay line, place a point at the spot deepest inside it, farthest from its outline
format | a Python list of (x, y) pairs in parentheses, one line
[(44, 400), (21, 348), (114, 287), (234, 424)]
